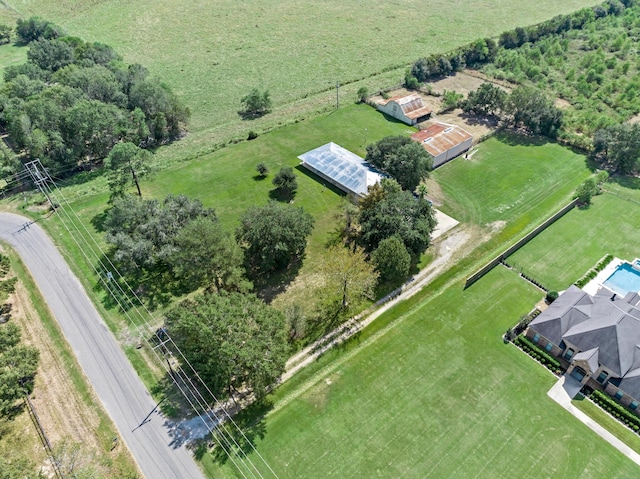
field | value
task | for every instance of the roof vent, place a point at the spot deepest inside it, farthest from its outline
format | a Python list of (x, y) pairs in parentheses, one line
[(448, 129), (427, 140)]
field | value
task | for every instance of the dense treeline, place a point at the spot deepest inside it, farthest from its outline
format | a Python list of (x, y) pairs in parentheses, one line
[(575, 78), (485, 50), (72, 101)]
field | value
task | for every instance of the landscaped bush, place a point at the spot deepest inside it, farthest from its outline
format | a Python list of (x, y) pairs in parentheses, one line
[(616, 410), (593, 272), (519, 328), (538, 354)]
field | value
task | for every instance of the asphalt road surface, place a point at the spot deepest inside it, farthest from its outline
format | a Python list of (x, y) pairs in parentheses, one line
[(122, 393)]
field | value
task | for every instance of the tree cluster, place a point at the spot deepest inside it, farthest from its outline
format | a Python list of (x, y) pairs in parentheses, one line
[(233, 340), (590, 187), (273, 235), (485, 50), (256, 103), (18, 362), (72, 101), (401, 158), (618, 147), (526, 107), (144, 232), (388, 211)]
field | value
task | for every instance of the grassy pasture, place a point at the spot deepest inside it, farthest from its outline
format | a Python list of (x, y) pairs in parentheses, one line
[(435, 394), (212, 54), (567, 249), (507, 178), (227, 179)]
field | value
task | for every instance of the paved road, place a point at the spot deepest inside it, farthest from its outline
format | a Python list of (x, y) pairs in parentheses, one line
[(117, 385)]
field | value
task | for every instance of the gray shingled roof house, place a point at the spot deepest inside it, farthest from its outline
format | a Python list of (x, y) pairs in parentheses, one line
[(597, 338)]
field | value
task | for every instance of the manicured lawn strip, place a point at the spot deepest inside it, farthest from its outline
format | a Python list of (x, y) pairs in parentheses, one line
[(623, 433), (567, 249), (506, 176), (105, 430), (212, 55), (439, 395)]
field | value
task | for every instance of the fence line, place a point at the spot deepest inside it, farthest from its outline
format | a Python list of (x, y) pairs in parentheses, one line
[(519, 244), (43, 437)]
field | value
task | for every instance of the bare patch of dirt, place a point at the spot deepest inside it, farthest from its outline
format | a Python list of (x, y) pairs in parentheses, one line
[(434, 192), (634, 119), (497, 225), (478, 126), (464, 82), (562, 103)]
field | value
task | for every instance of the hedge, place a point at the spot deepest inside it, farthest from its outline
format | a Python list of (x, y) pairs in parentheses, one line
[(616, 410), (538, 354), (593, 272)]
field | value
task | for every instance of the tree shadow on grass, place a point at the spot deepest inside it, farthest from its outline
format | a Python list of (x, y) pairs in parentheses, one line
[(156, 289), (259, 177), (281, 195), (630, 182), (270, 285), (98, 221), (238, 439), (516, 138)]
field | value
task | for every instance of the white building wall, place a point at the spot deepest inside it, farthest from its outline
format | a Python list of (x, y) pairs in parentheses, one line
[(395, 112), (452, 153)]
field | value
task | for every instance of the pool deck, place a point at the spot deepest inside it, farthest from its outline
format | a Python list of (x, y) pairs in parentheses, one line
[(595, 284)]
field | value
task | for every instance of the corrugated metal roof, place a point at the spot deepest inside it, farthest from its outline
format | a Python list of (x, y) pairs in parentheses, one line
[(343, 167), (412, 105), (441, 137)]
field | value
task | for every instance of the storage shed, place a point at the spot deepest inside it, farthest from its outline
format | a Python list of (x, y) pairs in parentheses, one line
[(409, 109), (443, 142), (341, 168)]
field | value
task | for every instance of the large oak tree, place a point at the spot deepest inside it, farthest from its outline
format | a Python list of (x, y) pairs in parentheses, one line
[(232, 340)]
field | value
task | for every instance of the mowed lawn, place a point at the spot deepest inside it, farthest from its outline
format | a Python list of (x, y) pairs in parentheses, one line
[(509, 177), (227, 180), (213, 53), (437, 394), (562, 253)]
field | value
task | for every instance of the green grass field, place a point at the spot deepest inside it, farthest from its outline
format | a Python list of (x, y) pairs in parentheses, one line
[(212, 54), (507, 177), (435, 394), (227, 179), (567, 249)]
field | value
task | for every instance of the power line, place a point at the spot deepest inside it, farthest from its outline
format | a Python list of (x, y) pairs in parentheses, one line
[(123, 298)]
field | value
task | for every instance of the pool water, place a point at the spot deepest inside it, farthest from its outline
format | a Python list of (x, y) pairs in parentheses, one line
[(624, 279)]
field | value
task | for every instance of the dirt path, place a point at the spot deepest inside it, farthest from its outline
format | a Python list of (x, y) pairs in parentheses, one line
[(449, 248)]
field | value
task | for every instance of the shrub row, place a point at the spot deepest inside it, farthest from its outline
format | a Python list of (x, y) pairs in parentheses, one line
[(533, 281), (593, 272), (538, 354), (616, 410)]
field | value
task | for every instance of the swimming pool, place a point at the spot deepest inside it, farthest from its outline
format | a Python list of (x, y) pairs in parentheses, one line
[(624, 279)]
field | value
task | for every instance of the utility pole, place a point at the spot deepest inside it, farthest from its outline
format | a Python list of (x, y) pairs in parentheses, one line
[(40, 177), (337, 95)]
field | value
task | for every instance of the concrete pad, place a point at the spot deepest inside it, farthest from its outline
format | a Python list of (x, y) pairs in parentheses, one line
[(564, 390), (445, 223)]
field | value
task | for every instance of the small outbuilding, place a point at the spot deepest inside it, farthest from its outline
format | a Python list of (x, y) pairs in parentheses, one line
[(443, 142), (409, 109), (341, 168)]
